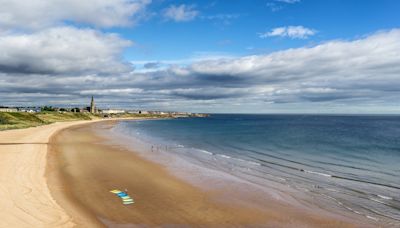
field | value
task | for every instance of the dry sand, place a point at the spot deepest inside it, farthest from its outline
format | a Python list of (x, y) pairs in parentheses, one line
[(25, 199), (82, 169)]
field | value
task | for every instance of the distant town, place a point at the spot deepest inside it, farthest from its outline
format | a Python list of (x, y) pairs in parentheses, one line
[(101, 112)]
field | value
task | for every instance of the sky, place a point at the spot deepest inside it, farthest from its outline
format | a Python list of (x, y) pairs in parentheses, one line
[(214, 56)]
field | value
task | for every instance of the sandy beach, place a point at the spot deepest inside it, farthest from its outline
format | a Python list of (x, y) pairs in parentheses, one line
[(83, 167), (199, 113), (25, 199), (60, 175)]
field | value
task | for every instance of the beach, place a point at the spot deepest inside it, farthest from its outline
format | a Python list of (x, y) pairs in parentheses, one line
[(200, 113), (25, 199), (60, 175), (83, 166)]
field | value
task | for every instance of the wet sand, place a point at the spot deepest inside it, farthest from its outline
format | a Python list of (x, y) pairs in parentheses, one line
[(82, 168)]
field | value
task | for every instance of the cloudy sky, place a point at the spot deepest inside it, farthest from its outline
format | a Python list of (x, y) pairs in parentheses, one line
[(260, 56)]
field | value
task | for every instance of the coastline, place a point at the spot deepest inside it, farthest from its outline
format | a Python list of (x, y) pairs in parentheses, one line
[(25, 199), (81, 186)]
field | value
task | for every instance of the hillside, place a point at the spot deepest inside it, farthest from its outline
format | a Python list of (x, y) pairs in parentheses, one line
[(15, 120)]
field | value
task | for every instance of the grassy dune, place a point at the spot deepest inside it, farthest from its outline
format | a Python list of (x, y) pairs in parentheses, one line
[(66, 116), (15, 120)]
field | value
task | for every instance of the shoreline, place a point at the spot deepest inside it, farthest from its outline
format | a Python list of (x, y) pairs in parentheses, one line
[(25, 198), (148, 180)]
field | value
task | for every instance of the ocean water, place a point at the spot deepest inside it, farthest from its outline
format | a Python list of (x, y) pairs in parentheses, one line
[(351, 163)]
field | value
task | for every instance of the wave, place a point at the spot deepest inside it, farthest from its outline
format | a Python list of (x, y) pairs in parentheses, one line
[(373, 218), (224, 156), (378, 201), (254, 163), (317, 173), (302, 170), (329, 175), (206, 152), (381, 214), (367, 182), (246, 161), (385, 197), (229, 157)]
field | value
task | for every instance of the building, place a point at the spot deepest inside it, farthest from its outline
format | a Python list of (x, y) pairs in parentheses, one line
[(92, 106), (137, 112), (3, 109), (30, 110), (134, 112), (112, 111)]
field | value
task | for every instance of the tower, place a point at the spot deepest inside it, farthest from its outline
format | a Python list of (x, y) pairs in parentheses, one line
[(92, 106)]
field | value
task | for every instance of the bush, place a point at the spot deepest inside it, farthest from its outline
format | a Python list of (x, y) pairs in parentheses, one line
[(3, 120), (48, 108)]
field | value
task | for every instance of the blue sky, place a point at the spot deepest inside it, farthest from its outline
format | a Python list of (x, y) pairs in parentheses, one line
[(233, 27), (261, 56)]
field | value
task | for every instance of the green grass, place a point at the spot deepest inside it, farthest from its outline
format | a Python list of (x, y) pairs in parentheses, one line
[(65, 116), (13, 120), (16, 120)]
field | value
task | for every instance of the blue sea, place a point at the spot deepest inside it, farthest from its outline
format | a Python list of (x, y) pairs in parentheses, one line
[(351, 163)]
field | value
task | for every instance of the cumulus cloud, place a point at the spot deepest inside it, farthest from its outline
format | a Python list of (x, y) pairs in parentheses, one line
[(180, 13), (365, 68), (331, 60), (344, 74), (62, 50), (37, 14), (294, 32), (45, 60)]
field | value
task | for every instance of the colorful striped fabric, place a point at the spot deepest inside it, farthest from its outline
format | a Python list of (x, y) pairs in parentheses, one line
[(126, 199)]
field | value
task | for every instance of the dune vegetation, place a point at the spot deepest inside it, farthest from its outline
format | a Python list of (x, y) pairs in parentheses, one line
[(15, 120)]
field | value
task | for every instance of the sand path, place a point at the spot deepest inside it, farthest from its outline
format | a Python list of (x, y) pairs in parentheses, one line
[(25, 199)]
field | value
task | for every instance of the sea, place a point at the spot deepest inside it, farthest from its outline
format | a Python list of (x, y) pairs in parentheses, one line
[(348, 162)]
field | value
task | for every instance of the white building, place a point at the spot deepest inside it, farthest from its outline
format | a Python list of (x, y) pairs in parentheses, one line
[(112, 111), (30, 110), (8, 110)]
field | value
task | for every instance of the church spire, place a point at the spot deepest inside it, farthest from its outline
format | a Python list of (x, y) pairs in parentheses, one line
[(92, 106)]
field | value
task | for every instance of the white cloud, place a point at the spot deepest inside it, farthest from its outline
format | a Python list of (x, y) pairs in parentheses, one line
[(338, 59), (294, 32), (62, 50), (278, 5), (180, 13), (361, 75), (37, 14), (288, 1)]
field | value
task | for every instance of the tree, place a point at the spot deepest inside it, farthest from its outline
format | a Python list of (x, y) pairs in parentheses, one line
[(75, 110), (48, 108)]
